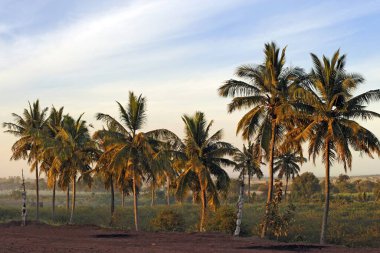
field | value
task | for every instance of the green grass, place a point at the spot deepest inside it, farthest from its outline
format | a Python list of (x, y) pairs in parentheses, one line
[(355, 224)]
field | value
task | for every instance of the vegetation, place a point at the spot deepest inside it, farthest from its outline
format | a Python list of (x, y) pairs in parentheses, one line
[(279, 223), (287, 165), (305, 186), (267, 93), (247, 164), (28, 128), (329, 112), (204, 160), (286, 109)]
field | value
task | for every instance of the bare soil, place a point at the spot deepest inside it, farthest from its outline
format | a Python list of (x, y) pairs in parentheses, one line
[(57, 239)]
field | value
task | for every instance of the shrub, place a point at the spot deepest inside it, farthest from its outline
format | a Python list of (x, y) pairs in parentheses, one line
[(278, 223), (16, 194), (224, 220), (168, 220), (305, 186), (376, 192)]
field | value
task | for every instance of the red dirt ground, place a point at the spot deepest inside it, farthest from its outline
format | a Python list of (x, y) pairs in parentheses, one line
[(46, 238)]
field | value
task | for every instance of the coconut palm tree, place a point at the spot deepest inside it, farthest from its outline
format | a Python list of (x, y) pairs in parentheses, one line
[(29, 127), (248, 163), (286, 164), (205, 158), (331, 110), (54, 122), (266, 90), (131, 150), (169, 156), (74, 151), (106, 172)]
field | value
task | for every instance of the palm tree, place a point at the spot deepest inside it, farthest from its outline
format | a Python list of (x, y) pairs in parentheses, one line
[(248, 163), (28, 128), (286, 164), (131, 150), (331, 109), (266, 93), (205, 157), (54, 122), (106, 172), (165, 170), (73, 150)]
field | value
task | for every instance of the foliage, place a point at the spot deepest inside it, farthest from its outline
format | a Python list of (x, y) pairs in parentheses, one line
[(248, 162), (343, 187), (223, 220), (376, 191), (28, 127), (168, 220), (328, 115), (278, 223), (131, 154), (359, 226), (205, 158), (305, 186), (365, 186)]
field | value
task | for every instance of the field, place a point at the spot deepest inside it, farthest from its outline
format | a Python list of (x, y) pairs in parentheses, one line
[(45, 238), (353, 224)]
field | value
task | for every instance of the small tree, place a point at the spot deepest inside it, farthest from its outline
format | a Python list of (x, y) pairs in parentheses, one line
[(305, 186), (278, 223)]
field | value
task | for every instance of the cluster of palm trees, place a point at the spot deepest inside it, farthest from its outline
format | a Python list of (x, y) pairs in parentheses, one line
[(286, 108), (124, 155)]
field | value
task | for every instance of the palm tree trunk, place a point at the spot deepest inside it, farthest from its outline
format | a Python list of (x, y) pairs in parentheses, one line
[(122, 199), (73, 200), (68, 199), (249, 188), (194, 197), (135, 211), (37, 194), (270, 184), (53, 200), (240, 208), (168, 190), (112, 198), (286, 186), (327, 192), (203, 210), (153, 193)]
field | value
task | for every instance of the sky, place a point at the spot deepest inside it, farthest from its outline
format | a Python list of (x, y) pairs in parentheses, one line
[(86, 55)]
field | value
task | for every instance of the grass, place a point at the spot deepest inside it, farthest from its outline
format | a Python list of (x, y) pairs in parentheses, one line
[(355, 224)]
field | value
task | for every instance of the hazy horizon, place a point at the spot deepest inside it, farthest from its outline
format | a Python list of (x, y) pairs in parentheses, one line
[(176, 53)]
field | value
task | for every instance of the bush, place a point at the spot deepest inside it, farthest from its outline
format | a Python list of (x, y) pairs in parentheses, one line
[(305, 186), (16, 194), (376, 192), (224, 220), (278, 222), (168, 220)]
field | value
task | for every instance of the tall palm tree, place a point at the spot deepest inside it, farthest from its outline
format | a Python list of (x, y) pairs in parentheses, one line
[(28, 127), (165, 170), (286, 164), (266, 90), (131, 150), (74, 151), (248, 163), (205, 158), (331, 110), (106, 172), (54, 122)]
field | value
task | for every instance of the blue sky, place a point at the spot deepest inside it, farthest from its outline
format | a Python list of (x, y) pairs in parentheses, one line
[(85, 55)]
